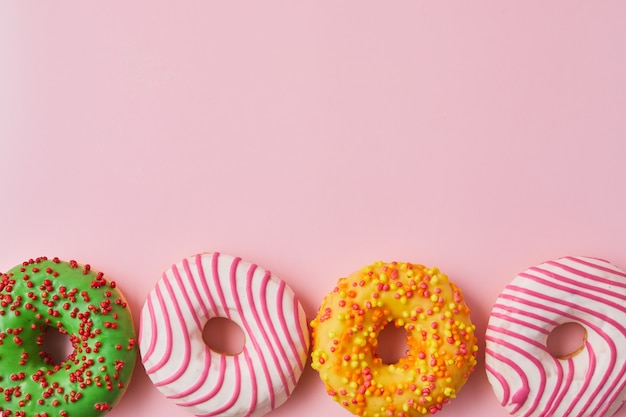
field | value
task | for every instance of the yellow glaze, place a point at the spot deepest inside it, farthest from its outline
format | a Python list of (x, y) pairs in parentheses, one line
[(440, 336)]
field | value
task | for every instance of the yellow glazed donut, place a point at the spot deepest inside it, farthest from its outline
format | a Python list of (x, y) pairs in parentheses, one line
[(440, 336)]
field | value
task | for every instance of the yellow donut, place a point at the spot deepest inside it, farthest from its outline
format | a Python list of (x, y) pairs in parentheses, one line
[(440, 336)]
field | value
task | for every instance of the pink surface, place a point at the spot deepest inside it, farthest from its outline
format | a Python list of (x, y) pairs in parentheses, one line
[(313, 138)]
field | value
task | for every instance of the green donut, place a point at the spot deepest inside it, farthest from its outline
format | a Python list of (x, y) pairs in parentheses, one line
[(41, 294)]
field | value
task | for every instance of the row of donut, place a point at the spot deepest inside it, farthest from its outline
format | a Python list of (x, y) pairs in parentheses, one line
[(43, 294)]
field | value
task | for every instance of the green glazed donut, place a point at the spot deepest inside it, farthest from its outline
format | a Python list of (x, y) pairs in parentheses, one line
[(42, 294)]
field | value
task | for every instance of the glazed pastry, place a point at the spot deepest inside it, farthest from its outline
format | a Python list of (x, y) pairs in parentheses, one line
[(526, 378), (210, 383), (440, 337), (40, 295)]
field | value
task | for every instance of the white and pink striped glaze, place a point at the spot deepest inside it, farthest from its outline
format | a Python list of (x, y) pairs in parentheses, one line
[(525, 377), (208, 383)]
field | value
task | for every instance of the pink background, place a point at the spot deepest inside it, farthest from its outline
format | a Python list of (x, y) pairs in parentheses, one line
[(313, 138)]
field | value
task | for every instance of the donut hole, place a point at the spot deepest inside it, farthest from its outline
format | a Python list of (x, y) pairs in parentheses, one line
[(223, 336), (392, 344), (567, 340), (56, 346)]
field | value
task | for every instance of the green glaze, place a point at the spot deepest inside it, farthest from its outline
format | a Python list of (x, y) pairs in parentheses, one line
[(76, 300)]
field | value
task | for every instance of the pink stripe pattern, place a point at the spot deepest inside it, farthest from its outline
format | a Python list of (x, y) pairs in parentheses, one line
[(208, 383), (526, 378)]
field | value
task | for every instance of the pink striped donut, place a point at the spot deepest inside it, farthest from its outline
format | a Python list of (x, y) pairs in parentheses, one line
[(525, 377), (208, 383)]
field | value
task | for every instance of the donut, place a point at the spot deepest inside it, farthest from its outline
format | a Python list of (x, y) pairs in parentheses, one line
[(209, 383), (46, 294), (440, 337), (526, 378)]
